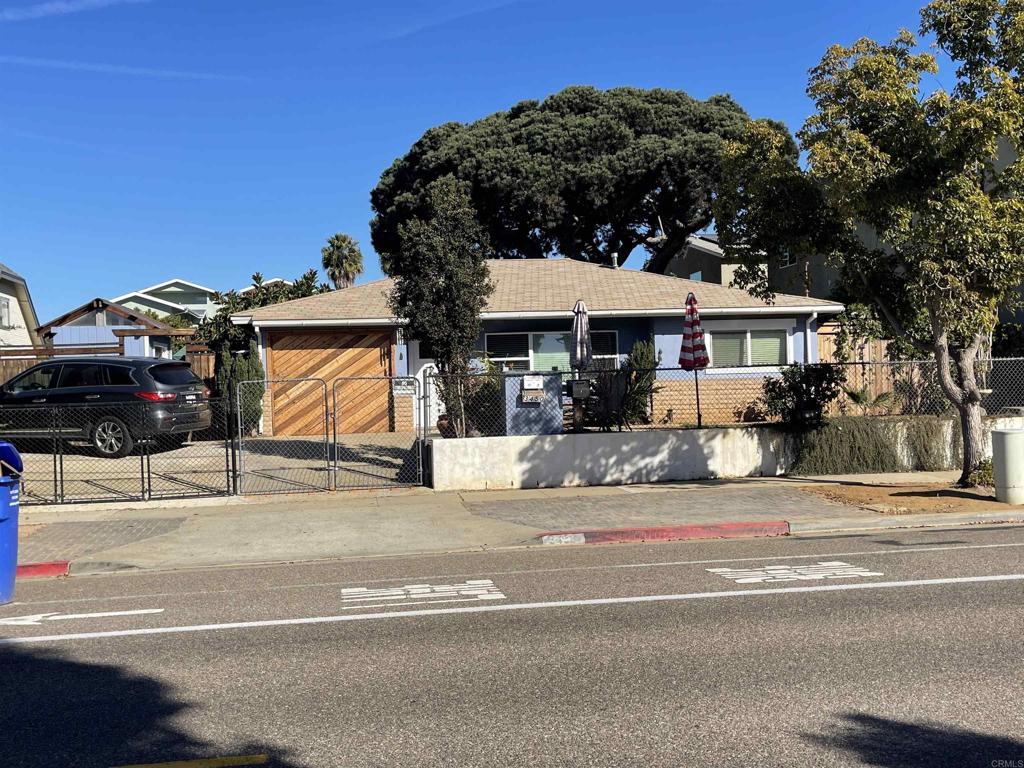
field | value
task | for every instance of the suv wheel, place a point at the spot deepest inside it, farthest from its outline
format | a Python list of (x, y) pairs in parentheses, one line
[(111, 439)]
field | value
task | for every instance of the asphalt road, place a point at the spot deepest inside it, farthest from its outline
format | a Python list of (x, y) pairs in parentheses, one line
[(887, 649)]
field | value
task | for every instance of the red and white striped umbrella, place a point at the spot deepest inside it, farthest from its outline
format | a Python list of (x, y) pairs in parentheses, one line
[(693, 355)]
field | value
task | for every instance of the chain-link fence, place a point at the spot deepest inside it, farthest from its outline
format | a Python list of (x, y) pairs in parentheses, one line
[(119, 451), (376, 436), (519, 403), (283, 436)]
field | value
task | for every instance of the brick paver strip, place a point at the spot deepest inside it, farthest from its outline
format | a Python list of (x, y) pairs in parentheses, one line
[(70, 541), (660, 508)]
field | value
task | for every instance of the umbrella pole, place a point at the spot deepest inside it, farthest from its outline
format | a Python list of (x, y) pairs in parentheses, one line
[(696, 386)]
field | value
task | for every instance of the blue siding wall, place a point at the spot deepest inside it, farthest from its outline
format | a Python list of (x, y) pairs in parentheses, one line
[(89, 336)]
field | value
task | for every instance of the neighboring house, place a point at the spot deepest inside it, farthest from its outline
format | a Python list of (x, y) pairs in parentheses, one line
[(101, 324), (815, 277), (702, 260), (18, 319), (172, 297), (526, 326)]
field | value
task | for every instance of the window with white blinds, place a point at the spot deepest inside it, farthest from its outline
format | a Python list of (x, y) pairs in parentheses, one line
[(729, 350), (767, 347)]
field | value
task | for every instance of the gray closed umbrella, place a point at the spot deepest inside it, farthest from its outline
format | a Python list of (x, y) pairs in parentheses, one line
[(581, 354)]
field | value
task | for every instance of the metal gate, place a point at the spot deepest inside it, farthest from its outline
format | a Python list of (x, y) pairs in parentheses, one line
[(376, 432), (283, 436)]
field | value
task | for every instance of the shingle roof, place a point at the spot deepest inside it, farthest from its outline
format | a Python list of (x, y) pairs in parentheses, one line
[(545, 285)]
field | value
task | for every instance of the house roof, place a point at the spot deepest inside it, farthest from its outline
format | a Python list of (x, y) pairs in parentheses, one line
[(131, 315), (545, 288), (165, 284), (144, 297)]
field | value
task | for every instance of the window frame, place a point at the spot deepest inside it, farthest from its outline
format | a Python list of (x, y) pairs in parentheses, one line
[(5, 312), (787, 347), (529, 346), (508, 359), (68, 367), (788, 260)]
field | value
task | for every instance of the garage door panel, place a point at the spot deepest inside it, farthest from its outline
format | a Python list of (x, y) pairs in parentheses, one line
[(329, 356)]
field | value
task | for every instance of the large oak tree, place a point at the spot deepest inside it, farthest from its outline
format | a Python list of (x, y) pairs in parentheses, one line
[(583, 174), (919, 171)]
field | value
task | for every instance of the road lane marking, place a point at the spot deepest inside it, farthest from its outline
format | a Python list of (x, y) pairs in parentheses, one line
[(524, 571), (209, 762), (477, 589), (38, 618), (496, 607), (824, 569)]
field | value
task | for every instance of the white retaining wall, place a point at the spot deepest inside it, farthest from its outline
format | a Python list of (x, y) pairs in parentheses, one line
[(610, 458), (617, 458)]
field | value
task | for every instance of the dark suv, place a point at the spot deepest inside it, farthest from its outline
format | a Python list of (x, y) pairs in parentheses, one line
[(111, 402)]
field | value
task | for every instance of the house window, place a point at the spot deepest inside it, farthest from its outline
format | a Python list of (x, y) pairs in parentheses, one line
[(5, 313), (787, 259), (697, 276), (729, 350), (605, 346), (734, 349), (511, 351), (548, 351)]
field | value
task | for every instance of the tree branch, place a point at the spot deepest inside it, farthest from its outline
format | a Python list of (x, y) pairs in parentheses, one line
[(890, 317)]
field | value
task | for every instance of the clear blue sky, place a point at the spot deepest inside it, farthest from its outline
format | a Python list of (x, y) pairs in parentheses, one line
[(208, 139)]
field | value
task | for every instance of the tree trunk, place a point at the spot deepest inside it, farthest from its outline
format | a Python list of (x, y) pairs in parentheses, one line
[(964, 393), (972, 429)]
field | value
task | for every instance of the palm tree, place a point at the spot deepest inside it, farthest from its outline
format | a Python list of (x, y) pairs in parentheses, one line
[(342, 260)]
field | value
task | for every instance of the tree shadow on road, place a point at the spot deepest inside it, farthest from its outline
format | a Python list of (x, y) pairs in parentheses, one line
[(879, 741), (58, 711)]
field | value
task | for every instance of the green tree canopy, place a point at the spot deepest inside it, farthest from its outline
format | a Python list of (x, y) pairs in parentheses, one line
[(219, 333), (442, 284), (583, 174), (914, 196), (342, 260)]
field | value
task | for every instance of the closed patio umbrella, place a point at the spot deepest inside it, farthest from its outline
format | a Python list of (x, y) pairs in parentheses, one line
[(581, 354), (693, 355)]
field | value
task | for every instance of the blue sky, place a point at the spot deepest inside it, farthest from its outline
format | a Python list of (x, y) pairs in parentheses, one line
[(208, 139)]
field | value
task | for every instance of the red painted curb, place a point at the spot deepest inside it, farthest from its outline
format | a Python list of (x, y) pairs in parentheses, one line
[(669, 533), (42, 570)]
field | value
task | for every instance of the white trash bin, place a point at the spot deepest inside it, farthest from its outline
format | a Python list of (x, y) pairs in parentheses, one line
[(1008, 464)]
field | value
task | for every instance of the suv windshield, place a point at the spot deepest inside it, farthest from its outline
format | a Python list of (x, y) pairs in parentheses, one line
[(174, 374)]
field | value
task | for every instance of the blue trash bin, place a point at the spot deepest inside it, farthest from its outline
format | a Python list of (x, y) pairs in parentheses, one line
[(10, 498)]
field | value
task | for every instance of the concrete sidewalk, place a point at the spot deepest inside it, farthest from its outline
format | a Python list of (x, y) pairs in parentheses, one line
[(207, 532)]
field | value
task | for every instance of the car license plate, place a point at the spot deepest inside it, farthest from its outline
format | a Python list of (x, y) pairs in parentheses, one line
[(190, 398)]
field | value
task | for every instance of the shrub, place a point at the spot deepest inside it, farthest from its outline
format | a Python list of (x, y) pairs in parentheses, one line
[(926, 441), (624, 397), (800, 397), (848, 445), (982, 475), (641, 385)]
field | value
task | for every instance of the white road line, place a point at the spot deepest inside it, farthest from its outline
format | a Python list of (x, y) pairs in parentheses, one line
[(493, 608), (524, 571), (38, 618)]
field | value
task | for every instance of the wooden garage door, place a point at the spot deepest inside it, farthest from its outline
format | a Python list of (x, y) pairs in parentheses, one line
[(297, 408)]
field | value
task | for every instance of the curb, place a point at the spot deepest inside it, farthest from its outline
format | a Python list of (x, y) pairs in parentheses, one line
[(740, 530), (42, 570)]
